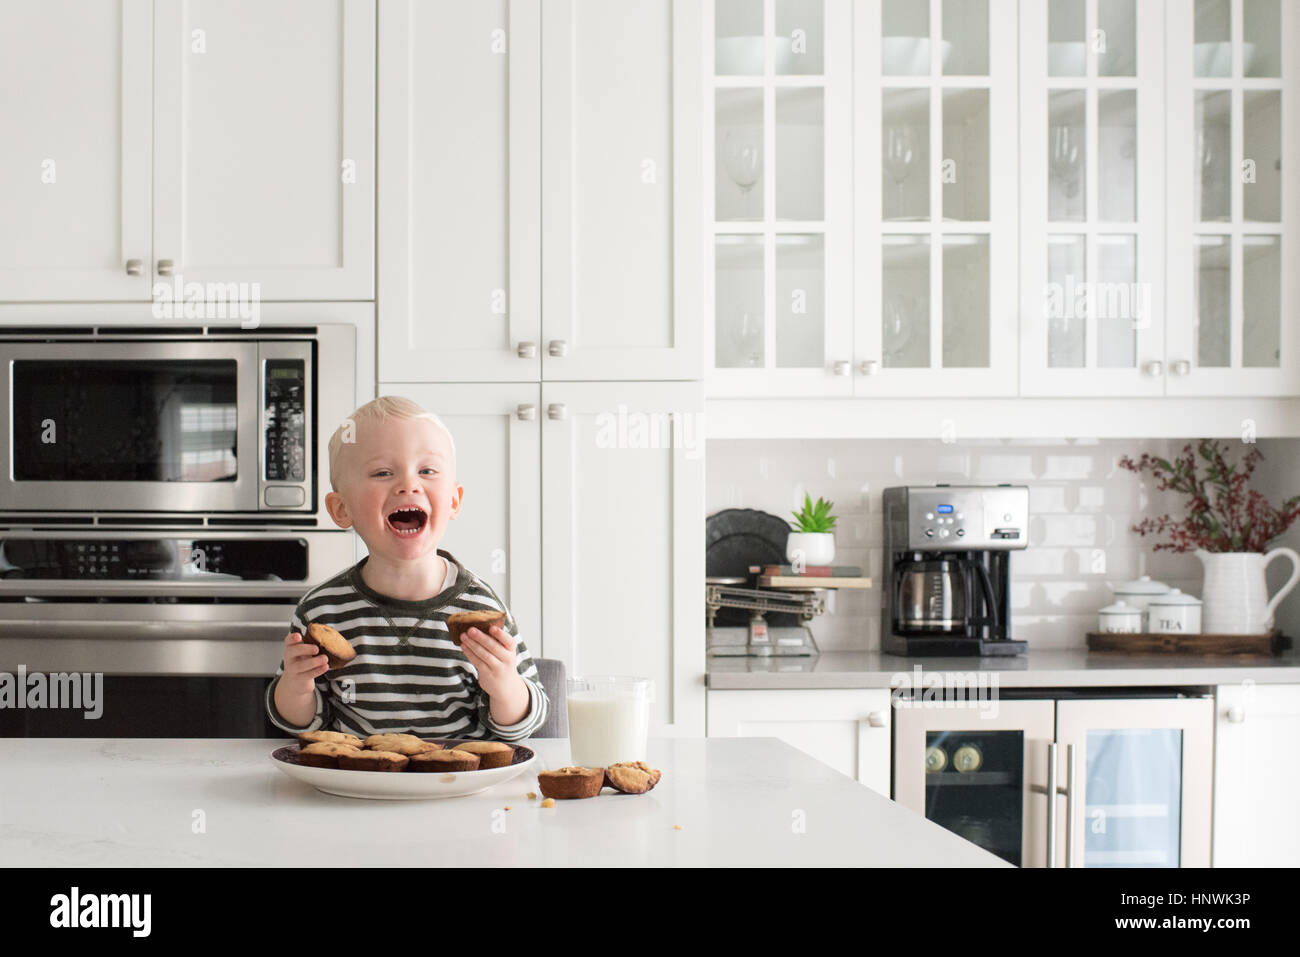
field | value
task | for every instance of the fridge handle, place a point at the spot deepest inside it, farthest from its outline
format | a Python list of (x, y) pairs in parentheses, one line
[(1069, 805), (1051, 804)]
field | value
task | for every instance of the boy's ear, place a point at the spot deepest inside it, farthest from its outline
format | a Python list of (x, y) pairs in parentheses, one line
[(457, 494), (338, 510)]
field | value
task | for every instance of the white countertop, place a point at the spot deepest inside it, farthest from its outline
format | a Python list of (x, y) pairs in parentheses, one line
[(1036, 669), (94, 802)]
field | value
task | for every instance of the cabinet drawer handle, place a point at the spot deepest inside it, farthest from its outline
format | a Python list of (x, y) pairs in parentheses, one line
[(557, 411), (876, 719), (527, 350), (165, 267), (526, 413), (557, 348), (134, 267)]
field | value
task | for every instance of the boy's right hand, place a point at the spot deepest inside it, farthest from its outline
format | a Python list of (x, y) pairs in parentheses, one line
[(303, 663)]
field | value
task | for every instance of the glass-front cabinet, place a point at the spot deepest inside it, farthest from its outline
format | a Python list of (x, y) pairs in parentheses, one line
[(1092, 201), (1234, 275), (781, 179), (1132, 777), (935, 197)]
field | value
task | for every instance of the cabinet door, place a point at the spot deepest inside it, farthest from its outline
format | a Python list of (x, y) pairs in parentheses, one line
[(497, 533), (979, 769), (779, 199), (935, 198), (74, 168), (264, 155), (1092, 202), (459, 190), (1234, 265), (622, 544), (1142, 781), (1256, 776), (845, 729), (621, 210)]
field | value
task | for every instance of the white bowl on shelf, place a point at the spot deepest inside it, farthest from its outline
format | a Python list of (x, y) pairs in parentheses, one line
[(909, 56)]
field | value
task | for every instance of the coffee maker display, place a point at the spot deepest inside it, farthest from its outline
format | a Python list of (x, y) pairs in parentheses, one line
[(947, 568)]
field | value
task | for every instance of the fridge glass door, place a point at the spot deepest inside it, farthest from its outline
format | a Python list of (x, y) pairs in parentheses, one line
[(1134, 797)]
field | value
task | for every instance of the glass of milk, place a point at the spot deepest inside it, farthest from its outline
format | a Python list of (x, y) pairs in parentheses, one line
[(609, 718)]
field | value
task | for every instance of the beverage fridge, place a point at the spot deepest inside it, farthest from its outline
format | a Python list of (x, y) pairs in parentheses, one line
[(1129, 774)]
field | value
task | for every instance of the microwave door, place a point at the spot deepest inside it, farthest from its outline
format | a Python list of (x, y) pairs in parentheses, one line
[(130, 426)]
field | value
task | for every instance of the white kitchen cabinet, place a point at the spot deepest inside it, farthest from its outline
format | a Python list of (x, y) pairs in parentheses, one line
[(75, 165), (935, 198), (460, 190), (1092, 202), (847, 729), (264, 118), (1232, 93), (1256, 775), (622, 552), (576, 130), (498, 533), (622, 224), (778, 193)]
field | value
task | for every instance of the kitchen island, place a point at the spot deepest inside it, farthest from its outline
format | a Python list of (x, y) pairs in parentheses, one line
[(95, 802)]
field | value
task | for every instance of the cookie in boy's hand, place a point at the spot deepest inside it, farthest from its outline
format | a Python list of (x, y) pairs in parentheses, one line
[(329, 641), (462, 621)]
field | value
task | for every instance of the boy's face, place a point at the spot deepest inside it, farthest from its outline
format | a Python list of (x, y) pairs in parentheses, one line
[(397, 487)]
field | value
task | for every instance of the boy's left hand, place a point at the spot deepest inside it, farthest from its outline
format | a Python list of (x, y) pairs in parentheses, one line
[(492, 654)]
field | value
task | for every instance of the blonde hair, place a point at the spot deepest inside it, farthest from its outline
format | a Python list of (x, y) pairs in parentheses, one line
[(377, 410)]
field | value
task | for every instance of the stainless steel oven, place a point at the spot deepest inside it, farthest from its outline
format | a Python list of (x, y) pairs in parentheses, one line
[(162, 511)]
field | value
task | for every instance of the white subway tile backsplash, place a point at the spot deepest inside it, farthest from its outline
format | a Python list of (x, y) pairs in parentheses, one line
[(1082, 506)]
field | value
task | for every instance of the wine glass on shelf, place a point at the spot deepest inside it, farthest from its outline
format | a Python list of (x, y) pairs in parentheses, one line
[(747, 339), (1065, 158), (742, 157), (900, 160), (897, 331)]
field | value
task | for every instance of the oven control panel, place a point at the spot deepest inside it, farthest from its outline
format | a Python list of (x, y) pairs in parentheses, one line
[(153, 559)]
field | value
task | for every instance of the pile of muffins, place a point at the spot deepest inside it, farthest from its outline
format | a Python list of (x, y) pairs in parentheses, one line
[(398, 752), (626, 777)]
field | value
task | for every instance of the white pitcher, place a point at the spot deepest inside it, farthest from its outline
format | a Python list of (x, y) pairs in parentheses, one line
[(1235, 593)]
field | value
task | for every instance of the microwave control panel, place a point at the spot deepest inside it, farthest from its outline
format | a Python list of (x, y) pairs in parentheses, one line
[(286, 426)]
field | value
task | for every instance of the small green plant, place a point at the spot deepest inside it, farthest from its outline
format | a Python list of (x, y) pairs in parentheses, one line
[(814, 518)]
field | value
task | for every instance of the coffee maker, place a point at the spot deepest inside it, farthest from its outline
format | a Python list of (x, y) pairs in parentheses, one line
[(947, 568)]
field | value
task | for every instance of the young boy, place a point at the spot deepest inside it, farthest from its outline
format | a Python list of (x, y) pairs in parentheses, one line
[(393, 475)]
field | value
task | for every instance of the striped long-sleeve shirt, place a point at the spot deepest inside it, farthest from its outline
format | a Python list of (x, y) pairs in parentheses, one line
[(407, 676)]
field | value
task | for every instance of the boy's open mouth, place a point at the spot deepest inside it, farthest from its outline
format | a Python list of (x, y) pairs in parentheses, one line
[(407, 520)]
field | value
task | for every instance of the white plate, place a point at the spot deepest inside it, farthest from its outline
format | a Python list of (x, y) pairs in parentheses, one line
[(401, 785)]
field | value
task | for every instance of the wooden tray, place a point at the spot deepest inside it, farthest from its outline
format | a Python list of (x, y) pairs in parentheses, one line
[(1144, 643)]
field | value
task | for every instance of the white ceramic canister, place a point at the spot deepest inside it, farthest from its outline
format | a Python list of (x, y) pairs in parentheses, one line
[(1120, 618), (1174, 612), (1139, 593)]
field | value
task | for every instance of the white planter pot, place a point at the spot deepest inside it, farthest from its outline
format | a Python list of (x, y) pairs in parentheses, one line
[(1235, 595), (810, 548)]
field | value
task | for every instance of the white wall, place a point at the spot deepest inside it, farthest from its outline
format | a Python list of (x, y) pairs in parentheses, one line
[(1081, 506)]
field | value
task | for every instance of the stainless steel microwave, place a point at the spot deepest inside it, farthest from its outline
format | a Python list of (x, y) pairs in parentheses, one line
[(156, 420)]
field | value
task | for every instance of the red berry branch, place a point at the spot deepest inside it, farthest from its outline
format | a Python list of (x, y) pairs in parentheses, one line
[(1223, 514)]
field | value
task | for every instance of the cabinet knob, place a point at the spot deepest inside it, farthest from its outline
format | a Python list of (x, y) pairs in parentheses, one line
[(557, 410), (134, 267), (876, 719), (526, 413), (1154, 368), (1180, 367), (869, 366), (165, 267), (557, 347), (842, 367), (527, 350), (1236, 714)]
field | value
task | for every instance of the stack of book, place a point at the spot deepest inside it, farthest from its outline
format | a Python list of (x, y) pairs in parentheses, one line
[(809, 576)]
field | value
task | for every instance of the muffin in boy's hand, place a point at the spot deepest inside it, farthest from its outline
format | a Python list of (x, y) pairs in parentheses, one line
[(329, 641), (463, 621)]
